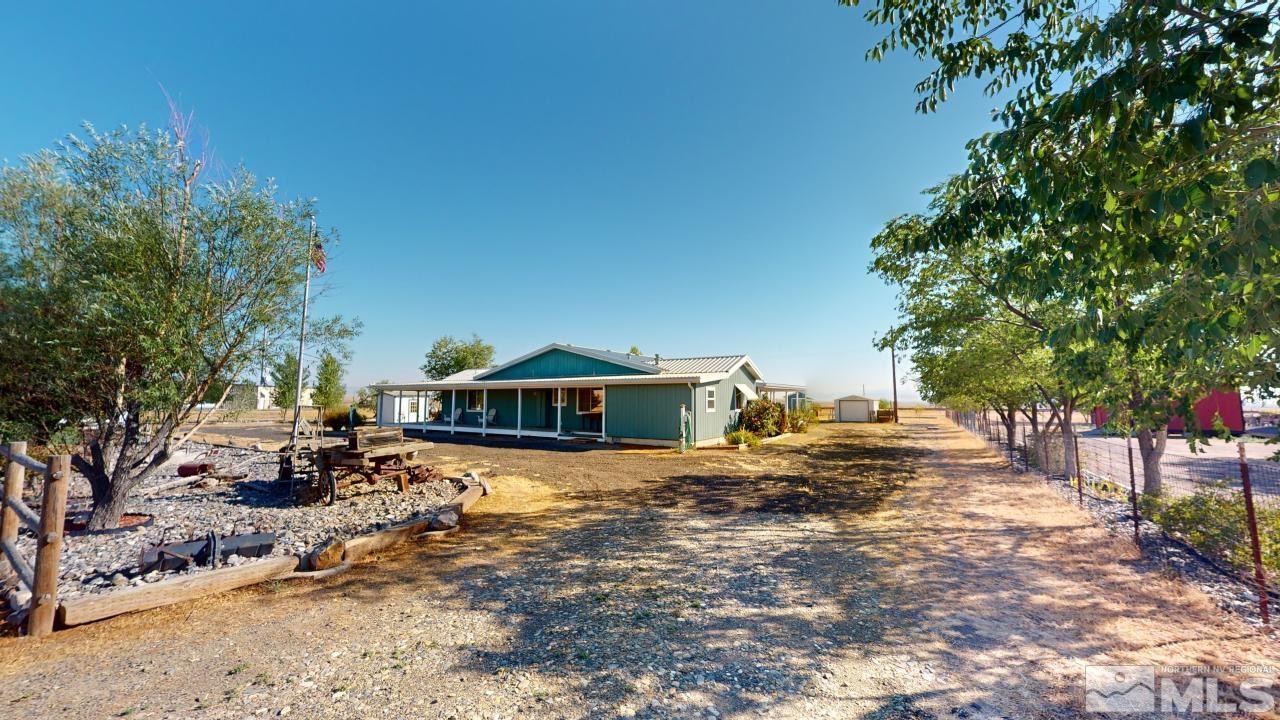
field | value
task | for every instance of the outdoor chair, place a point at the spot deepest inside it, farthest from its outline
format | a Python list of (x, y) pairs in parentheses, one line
[(491, 417)]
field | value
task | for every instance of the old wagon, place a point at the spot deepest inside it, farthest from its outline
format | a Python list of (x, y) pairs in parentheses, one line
[(370, 455)]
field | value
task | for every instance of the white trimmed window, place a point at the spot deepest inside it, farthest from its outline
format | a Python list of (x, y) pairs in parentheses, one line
[(711, 399), (559, 397), (590, 400), (475, 401)]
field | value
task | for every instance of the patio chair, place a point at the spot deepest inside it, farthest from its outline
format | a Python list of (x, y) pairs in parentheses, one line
[(491, 417), (457, 417)]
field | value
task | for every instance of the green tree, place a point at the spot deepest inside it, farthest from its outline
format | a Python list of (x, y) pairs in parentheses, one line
[(448, 355), (329, 388), (635, 350), (284, 380), (129, 285), (367, 396)]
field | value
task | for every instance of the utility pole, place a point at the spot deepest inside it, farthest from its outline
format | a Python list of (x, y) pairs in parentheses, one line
[(893, 358), (302, 338)]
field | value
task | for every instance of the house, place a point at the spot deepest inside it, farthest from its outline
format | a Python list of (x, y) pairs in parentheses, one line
[(855, 408), (569, 392), (1225, 404)]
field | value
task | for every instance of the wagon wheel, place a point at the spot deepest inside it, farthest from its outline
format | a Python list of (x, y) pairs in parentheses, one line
[(328, 486)]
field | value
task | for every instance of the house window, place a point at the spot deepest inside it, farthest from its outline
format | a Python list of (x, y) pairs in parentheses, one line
[(560, 397), (590, 400), (413, 407), (475, 401), (711, 399)]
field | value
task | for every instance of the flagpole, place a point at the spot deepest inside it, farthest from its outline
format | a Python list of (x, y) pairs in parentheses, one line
[(302, 337)]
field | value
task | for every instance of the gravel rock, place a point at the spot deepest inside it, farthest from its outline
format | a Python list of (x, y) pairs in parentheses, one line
[(101, 561)]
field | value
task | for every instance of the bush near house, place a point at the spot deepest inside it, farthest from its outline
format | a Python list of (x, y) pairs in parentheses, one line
[(1213, 521), (802, 418), (742, 437), (764, 418), (336, 418)]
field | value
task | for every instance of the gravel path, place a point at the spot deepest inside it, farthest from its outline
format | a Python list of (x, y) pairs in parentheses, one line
[(859, 571)]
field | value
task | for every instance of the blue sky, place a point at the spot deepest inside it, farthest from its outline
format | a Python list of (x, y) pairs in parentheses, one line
[(692, 178)]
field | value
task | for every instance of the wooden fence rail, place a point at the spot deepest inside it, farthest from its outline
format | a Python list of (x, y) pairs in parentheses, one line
[(40, 579)]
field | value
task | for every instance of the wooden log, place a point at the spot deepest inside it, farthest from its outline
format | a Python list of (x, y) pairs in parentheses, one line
[(21, 457), (53, 511), (19, 563), (26, 514), (89, 608), (366, 545), (14, 477), (326, 555), (468, 497)]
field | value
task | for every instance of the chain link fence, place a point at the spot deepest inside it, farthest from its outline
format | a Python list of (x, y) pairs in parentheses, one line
[(1224, 509)]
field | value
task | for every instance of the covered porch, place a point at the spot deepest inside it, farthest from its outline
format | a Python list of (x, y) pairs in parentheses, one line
[(557, 412)]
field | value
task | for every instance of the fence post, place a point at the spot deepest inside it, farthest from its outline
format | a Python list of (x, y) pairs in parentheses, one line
[(44, 596), (1075, 441), (1259, 575), (1133, 492), (14, 476)]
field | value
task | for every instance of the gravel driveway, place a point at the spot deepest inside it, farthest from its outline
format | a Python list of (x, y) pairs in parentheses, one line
[(858, 571)]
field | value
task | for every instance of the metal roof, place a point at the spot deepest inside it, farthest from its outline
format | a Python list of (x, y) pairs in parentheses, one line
[(639, 362), (569, 382), (712, 363)]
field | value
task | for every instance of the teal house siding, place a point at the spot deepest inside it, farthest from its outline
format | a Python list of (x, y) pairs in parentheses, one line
[(557, 363), (648, 412), (711, 425)]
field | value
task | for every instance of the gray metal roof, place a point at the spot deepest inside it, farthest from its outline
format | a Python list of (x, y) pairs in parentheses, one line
[(709, 364)]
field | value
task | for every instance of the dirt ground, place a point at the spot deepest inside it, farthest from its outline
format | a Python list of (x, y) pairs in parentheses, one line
[(858, 571)]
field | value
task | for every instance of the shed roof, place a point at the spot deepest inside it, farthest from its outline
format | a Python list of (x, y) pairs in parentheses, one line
[(855, 397)]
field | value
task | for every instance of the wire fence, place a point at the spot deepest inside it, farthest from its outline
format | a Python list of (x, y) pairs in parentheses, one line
[(1225, 509)]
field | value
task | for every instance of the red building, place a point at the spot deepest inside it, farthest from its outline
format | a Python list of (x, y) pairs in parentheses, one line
[(1227, 403)]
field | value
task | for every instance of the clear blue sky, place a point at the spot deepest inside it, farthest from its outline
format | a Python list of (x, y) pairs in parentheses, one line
[(694, 178)]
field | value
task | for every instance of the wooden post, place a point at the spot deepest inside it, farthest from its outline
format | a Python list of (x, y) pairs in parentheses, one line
[(14, 477), (519, 410), (1075, 443), (559, 408), (1133, 492), (1255, 545), (453, 409), (44, 596), (484, 412)]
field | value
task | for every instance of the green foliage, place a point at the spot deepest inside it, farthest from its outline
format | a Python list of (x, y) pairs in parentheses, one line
[(635, 350), (1213, 520), (329, 388), (284, 380), (884, 405), (762, 417), (800, 419), (130, 284), (367, 396), (742, 437), (337, 418), (449, 355)]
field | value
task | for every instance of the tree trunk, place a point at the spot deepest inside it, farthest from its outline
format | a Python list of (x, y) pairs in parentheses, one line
[(1151, 447), (1068, 439), (107, 512)]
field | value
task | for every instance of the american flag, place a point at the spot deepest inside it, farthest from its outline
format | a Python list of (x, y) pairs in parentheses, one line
[(318, 257)]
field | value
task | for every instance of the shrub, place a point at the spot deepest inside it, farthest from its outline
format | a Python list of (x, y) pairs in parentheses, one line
[(740, 437), (884, 405), (762, 417), (336, 419), (1214, 521), (800, 419)]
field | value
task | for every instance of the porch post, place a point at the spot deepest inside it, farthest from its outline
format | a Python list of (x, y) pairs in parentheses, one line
[(519, 410), (377, 411), (422, 409), (453, 409), (484, 413), (604, 412), (559, 408)]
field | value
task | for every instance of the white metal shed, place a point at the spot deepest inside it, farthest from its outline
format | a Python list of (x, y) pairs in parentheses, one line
[(855, 408)]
